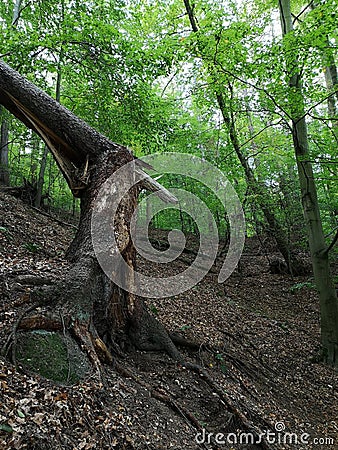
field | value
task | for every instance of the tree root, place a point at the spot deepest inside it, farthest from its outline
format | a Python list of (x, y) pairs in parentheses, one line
[(181, 341), (10, 344), (241, 418), (39, 322), (153, 337), (163, 397), (150, 335), (230, 404), (85, 335)]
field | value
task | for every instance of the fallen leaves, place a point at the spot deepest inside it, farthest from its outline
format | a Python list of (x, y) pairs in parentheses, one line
[(258, 332)]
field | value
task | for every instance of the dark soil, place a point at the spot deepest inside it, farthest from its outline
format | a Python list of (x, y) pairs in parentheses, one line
[(260, 336)]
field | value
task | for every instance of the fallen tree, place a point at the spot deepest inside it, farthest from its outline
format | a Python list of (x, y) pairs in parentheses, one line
[(84, 320), (85, 305)]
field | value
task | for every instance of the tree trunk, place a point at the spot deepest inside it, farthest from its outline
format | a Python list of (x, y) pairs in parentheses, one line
[(295, 265), (43, 164), (16, 12), (319, 250), (40, 183), (331, 79), (4, 172), (87, 305)]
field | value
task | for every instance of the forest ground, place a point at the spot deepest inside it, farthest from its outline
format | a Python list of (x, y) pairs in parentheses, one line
[(260, 335)]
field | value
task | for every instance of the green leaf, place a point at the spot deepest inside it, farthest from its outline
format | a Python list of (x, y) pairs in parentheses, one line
[(6, 427), (21, 414)]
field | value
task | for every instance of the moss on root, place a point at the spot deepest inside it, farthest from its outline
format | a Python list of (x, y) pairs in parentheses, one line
[(52, 355)]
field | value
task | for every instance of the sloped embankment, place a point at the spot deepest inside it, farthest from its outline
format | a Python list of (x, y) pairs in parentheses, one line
[(259, 332)]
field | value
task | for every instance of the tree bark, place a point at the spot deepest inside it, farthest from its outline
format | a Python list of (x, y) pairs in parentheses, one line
[(331, 79), (86, 303), (39, 187), (4, 172), (318, 248)]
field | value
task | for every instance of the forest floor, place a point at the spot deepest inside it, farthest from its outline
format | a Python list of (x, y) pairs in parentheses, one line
[(260, 335)]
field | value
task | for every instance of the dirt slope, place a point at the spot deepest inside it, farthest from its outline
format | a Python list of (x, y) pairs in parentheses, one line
[(259, 332)]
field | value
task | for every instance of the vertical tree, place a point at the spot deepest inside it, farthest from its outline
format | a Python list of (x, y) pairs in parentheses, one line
[(4, 172), (225, 102), (43, 164), (318, 248)]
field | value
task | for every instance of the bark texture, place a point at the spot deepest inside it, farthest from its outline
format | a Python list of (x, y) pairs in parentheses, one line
[(4, 172), (318, 248)]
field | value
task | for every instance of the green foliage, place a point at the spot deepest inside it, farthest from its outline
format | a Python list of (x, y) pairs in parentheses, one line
[(137, 73), (153, 309), (32, 247), (219, 357), (5, 427), (299, 286), (185, 327)]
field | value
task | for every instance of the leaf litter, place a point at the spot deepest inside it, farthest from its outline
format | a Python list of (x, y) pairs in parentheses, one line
[(258, 337)]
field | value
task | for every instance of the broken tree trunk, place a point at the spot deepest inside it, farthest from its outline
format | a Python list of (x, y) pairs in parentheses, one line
[(85, 305)]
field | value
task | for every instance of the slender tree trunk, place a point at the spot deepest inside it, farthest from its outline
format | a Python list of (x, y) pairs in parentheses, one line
[(4, 172), (332, 86), (296, 265), (43, 164), (331, 79), (16, 12), (39, 186), (318, 248), (331, 100)]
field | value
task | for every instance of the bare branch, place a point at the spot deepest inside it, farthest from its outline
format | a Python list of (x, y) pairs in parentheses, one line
[(152, 185), (330, 247), (261, 131)]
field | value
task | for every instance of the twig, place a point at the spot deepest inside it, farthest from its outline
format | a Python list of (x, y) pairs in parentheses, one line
[(162, 396), (330, 247), (11, 340), (14, 23), (61, 222)]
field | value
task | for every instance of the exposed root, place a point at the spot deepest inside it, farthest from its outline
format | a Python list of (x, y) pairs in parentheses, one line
[(181, 341), (83, 335), (163, 397), (39, 322), (86, 336), (230, 404), (102, 351), (10, 344), (150, 335), (189, 417)]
